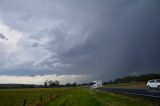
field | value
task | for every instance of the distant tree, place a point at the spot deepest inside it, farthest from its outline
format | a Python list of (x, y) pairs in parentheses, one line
[(46, 83), (51, 83), (68, 84), (74, 84), (57, 82), (140, 78)]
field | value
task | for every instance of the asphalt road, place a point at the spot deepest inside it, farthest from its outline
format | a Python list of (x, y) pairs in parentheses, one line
[(153, 94)]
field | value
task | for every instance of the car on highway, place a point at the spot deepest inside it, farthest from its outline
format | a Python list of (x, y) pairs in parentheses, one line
[(153, 84), (96, 84)]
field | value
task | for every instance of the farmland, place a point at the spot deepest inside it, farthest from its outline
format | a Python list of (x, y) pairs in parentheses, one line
[(16, 97), (66, 97)]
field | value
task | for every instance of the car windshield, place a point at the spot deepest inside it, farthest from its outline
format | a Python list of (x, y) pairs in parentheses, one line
[(158, 80)]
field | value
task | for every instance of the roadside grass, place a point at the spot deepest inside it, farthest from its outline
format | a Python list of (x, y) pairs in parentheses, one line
[(76, 97), (67, 97), (111, 99), (15, 97), (134, 85), (87, 97)]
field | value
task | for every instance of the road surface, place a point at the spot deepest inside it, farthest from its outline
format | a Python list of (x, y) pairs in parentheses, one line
[(153, 94)]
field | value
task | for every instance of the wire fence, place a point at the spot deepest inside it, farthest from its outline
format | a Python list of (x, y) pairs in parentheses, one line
[(43, 99)]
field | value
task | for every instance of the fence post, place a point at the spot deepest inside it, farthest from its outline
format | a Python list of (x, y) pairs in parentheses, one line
[(56, 93), (41, 98), (24, 104), (51, 94)]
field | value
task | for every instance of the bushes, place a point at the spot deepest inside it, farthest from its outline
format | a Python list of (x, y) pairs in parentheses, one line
[(140, 78)]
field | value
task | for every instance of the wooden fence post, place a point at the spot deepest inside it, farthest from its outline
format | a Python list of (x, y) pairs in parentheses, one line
[(56, 93), (51, 94), (41, 98), (24, 104)]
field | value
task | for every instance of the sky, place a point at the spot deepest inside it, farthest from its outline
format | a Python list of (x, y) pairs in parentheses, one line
[(78, 40)]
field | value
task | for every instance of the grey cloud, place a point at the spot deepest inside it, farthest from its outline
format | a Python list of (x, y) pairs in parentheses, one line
[(104, 38), (35, 44), (2, 37), (128, 44)]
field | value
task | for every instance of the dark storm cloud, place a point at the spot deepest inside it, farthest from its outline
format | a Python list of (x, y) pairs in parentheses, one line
[(103, 38), (129, 44), (2, 37)]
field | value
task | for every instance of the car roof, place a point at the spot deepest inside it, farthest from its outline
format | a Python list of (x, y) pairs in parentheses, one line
[(97, 81)]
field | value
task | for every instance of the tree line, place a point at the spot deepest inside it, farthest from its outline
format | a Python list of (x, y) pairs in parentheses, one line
[(56, 83), (140, 78)]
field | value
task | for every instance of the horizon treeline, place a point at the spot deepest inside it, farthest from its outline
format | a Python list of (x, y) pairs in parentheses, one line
[(134, 78), (56, 83)]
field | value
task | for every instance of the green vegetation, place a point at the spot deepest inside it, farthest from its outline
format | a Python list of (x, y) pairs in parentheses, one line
[(131, 81), (16, 97), (110, 99), (76, 97), (140, 78), (67, 97), (133, 85), (86, 97)]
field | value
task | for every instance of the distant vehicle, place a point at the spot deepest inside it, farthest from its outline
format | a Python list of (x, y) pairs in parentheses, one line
[(153, 84), (96, 84)]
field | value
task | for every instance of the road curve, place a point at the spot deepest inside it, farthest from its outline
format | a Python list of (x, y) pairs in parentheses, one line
[(153, 94)]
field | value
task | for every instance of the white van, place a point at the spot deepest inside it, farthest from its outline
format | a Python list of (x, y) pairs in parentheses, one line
[(153, 84), (96, 84)]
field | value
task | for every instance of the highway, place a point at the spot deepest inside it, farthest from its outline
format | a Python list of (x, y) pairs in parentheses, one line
[(153, 94)]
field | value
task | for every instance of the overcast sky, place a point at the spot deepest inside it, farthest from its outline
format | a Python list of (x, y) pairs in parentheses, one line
[(78, 40)]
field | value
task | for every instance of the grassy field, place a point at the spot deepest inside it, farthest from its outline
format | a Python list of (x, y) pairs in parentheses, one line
[(16, 97), (76, 97), (67, 97), (139, 85), (86, 97)]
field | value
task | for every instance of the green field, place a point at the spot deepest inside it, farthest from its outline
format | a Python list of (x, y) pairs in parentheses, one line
[(134, 85), (85, 97), (67, 97), (16, 97)]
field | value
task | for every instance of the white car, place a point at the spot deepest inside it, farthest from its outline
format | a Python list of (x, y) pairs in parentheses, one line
[(155, 84), (96, 84)]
